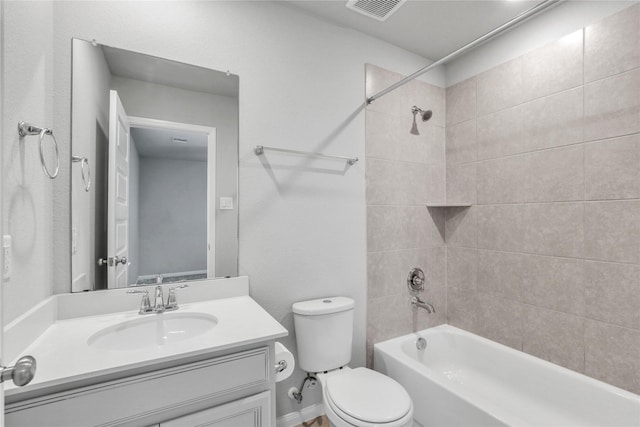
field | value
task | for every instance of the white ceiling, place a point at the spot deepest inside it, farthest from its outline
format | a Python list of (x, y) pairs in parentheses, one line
[(159, 143), (431, 29)]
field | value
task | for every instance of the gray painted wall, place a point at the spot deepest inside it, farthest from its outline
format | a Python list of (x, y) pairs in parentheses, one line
[(173, 216)]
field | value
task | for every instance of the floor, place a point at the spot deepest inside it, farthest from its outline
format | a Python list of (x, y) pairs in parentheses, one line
[(322, 420)]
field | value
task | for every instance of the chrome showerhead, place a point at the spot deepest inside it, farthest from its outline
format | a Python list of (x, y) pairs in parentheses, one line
[(424, 115)]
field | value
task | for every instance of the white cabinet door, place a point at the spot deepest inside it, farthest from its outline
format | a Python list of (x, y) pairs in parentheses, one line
[(250, 411)]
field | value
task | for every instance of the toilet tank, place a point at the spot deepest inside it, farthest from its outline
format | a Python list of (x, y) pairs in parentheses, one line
[(324, 331)]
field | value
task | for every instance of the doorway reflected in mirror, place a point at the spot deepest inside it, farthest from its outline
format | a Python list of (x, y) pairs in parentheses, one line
[(161, 165)]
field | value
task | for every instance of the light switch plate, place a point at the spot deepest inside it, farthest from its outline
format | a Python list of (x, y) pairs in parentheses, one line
[(226, 203)]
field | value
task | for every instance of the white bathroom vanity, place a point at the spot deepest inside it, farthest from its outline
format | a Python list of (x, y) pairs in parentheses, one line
[(210, 361)]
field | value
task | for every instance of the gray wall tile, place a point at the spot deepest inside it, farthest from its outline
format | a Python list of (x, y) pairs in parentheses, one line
[(554, 336), (554, 120), (461, 228), (500, 134), (555, 283), (411, 182), (500, 320), (612, 231), (436, 191), (612, 169), (388, 317), (461, 142), (462, 309), (555, 175), (383, 270), (612, 293), (554, 67), (612, 106), (381, 135), (461, 183), (461, 102), (435, 145), (501, 227), (462, 268), (554, 229), (611, 354), (382, 185), (501, 273), (411, 148), (502, 180), (500, 87), (383, 228), (611, 45)]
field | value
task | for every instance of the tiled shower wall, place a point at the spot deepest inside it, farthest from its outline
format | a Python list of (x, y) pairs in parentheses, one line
[(404, 172), (547, 149)]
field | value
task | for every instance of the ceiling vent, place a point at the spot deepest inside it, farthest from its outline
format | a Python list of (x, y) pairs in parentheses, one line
[(376, 9)]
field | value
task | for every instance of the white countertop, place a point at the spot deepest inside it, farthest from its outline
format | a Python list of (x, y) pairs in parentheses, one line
[(63, 355)]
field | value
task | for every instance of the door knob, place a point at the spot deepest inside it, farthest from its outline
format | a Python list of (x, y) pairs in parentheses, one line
[(22, 373), (111, 262)]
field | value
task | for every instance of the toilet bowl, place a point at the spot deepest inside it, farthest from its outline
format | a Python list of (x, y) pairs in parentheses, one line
[(364, 398), (357, 397)]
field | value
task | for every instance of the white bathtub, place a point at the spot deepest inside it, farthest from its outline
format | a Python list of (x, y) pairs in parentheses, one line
[(461, 379)]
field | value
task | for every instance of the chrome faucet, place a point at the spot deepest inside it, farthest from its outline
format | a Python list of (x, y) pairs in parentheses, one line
[(417, 302), (158, 304)]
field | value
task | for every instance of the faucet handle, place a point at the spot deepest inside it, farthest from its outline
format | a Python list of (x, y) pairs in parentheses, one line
[(145, 304), (172, 303)]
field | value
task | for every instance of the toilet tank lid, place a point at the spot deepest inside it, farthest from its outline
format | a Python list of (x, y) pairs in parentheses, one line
[(323, 306)]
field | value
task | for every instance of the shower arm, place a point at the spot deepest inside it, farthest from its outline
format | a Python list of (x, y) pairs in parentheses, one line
[(507, 25)]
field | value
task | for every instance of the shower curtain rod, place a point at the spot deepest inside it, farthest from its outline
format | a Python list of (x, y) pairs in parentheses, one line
[(521, 17)]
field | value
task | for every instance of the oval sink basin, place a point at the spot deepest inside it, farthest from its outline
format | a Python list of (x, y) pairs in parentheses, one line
[(153, 330)]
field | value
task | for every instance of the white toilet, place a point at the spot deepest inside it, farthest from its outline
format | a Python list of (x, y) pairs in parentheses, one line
[(352, 397)]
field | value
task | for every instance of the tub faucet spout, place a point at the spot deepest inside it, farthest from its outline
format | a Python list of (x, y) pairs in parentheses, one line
[(417, 302)]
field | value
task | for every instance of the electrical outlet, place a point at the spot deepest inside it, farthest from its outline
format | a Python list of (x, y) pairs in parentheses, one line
[(7, 255)]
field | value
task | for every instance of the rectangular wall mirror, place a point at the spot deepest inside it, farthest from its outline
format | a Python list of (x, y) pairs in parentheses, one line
[(154, 173)]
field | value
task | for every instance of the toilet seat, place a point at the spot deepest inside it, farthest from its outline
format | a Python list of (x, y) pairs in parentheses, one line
[(363, 397)]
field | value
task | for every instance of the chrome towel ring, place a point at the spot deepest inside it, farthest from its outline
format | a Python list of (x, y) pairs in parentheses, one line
[(25, 129), (86, 178)]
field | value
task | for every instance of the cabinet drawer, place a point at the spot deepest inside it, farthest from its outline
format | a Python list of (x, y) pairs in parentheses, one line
[(253, 411), (139, 397)]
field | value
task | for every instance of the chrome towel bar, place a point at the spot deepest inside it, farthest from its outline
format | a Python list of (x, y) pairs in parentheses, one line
[(260, 149), (26, 129)]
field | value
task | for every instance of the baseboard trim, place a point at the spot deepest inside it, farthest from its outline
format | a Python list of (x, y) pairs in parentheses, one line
[(293, 419)]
